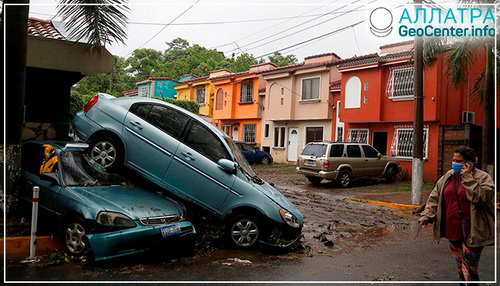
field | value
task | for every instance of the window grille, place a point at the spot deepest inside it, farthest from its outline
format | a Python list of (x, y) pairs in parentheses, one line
[(358, 135), (402, 142), (144, 91), (200, 95), (226, 129), (310, 88), (249, 133), (246, 92), (401, 81)]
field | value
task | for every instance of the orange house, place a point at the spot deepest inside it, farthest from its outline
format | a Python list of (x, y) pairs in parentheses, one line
[(238, 100), (377, 102)]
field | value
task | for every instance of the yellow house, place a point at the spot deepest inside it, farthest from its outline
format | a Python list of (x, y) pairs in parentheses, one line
[(200, 90)]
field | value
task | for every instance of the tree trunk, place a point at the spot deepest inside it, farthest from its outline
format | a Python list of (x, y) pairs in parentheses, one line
[(488, 153)]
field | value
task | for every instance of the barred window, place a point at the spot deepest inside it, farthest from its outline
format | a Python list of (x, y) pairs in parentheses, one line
[(246, 91), (249, 133), (402, 142), (226, 128), (358, 135), (144, 91), (200, 95), (401, 82), (310, 88)]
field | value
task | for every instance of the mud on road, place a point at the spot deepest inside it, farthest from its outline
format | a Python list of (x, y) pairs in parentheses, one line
[(333, 225)]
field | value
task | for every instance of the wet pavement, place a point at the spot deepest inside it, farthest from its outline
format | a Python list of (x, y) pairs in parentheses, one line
[(343, 241)]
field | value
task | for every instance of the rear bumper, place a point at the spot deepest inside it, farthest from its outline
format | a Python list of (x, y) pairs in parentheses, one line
[(84, 127), (133, 240), (330, 175)]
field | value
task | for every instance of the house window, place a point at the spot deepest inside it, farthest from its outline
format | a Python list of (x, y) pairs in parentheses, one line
[(266, 131), (358, 135), (144, 91), (353, 92), (402, 142), (246, 91), (219, 99), (279, 137), (226, 128), (249, 133), (340, 134), (200, 95), (310, 88), (366, 86), (400, 84), (314, 134)]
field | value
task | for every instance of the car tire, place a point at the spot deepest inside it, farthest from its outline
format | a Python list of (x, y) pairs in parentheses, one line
[(344, 179), (244, 232), (391, 174), (314, 180), (106, 152), (75, 242), (265, 160)]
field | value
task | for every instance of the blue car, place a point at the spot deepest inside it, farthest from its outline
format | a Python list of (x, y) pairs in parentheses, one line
[(253, 154), (95, 209), (192, 160)]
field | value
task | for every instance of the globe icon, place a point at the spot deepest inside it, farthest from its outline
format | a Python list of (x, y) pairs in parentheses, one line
[(381, 22)]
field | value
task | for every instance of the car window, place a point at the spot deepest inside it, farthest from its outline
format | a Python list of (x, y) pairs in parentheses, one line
[(370, 152), (246, 147), (141, 109), (353, 151), (168, 120), (337, 150), (317, 150), (201, 139)]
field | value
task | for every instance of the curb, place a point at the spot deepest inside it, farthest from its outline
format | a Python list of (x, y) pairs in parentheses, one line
[(384, 204), (19, 247)]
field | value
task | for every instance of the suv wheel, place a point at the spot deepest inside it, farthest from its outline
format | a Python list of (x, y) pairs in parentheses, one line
[(315, 180), (391, 174), (345, 179)]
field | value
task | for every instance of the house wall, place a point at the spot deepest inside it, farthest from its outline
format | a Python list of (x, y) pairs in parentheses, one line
[(165, 89)]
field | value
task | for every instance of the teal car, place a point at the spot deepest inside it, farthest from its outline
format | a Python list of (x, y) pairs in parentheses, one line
[(192, 160), (97, 210)]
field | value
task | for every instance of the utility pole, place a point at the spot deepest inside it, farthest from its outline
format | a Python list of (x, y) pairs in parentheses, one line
[(418, 120)]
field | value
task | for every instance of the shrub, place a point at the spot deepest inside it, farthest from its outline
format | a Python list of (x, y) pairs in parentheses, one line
[(186, 104)]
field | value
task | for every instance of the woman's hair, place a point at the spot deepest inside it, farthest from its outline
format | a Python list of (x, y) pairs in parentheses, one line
[(468, 153)]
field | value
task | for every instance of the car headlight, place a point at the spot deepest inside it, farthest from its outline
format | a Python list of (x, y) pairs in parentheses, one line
[(289, 218), (114, 219)]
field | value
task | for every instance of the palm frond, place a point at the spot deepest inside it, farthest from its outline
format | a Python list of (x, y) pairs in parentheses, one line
[(97, 22), (476, 94), (459, 60)]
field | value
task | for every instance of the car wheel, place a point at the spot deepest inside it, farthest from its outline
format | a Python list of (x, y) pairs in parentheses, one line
[(75, 243), (345, 179), (243, 231), (106, 152), (391, 174), (265, 160), (315, 180)]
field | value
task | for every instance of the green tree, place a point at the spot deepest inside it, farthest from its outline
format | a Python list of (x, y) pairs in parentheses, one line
[(144, 63), (278, 59)]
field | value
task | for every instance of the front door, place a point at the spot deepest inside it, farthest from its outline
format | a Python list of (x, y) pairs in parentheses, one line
[(235, 133), (380, 141), (293, 144)]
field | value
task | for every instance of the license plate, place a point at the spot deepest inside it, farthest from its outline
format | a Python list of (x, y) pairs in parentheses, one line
[(309, 163), (170, 230)]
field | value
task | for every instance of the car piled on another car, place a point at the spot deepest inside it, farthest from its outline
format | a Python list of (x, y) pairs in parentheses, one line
[(191, 159), (95, 209)]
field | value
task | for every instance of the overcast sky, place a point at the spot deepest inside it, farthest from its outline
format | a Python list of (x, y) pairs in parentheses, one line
[(258, 27)]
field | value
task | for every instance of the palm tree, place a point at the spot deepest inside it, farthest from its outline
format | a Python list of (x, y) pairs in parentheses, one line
[(459, 57)]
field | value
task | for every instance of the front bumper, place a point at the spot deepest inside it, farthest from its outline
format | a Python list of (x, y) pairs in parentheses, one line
[(329, 175), (133, 240)]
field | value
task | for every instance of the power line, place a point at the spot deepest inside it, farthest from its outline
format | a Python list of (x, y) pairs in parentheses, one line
[(161, 30)]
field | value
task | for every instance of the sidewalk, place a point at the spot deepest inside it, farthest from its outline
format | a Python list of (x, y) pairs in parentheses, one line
[(395, 200)]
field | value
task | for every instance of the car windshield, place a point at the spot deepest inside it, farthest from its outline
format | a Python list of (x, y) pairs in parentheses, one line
[(78, 169), (317, 150), (242, 162)]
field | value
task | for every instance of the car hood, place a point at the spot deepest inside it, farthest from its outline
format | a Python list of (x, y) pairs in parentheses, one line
[(278, 198), (133, 201)]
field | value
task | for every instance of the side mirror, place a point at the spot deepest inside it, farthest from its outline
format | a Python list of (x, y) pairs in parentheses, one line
[(379, 155), (227, 165), (51, 177)]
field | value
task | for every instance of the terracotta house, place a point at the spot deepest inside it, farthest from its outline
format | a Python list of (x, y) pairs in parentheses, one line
[(239, 103), (376, 107)]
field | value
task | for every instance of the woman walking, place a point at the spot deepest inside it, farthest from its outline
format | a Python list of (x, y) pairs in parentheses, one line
[(461, 206)]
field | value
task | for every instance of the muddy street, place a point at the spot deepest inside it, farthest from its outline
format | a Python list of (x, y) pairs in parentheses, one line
[(343, 240)]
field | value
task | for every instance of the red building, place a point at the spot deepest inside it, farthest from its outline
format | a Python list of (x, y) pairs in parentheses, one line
[(376, 106)]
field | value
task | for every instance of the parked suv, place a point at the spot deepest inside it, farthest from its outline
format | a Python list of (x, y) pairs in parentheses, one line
[(342, 162), (191, 159)]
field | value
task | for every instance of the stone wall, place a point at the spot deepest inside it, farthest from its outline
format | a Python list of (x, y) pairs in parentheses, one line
[(9, 194), (38, 131)]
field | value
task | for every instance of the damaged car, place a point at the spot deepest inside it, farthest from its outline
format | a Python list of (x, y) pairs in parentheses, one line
[(191, 159), (97, 210)]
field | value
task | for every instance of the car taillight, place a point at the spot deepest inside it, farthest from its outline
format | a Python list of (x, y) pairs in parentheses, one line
[(326, 164), (91, 103)]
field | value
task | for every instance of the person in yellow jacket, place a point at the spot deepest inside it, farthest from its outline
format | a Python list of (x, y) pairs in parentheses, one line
[(50, 160), (462, 209)]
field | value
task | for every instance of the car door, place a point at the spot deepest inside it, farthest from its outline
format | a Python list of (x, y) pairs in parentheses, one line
[(152, 134), (373, 166), (356, 160), (249, 152), (195, 175)]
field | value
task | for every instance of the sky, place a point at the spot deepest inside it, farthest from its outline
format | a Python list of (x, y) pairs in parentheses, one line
[(259, 27)]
